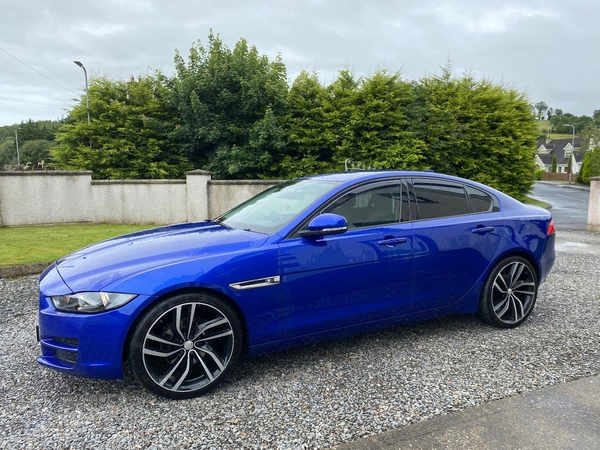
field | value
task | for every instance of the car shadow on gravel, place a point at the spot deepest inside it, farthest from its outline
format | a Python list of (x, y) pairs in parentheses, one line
[(259, 369)]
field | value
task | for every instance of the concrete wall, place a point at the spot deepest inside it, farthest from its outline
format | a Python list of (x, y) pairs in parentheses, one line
[(593, 222), (54, 197), (38, 198), (139, 201)]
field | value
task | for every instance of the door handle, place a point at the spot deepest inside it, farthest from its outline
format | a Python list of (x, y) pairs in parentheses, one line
[(481, 230), (391, 242)]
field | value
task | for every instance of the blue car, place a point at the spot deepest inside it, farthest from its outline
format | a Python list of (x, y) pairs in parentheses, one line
[(311, 259)]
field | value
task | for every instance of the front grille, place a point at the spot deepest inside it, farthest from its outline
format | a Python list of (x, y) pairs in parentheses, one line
[(66, 356), (69, 341)]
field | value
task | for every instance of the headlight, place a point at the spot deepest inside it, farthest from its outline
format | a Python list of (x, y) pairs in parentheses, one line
[(91, 302)]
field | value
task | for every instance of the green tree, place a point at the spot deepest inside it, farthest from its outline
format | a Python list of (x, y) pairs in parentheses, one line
[(233, 106), (36, 154), (553, 164), (541, 108), (560, 121), (38, 130), (308, 149), (475, 129), (35, 140), (456, 125), (8, 151), (591, 165), (378, 125), (339, 108), (590, 137), (129, 135)]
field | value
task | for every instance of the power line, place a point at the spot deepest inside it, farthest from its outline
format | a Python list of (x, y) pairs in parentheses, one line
[(38, 72), (35, 102)]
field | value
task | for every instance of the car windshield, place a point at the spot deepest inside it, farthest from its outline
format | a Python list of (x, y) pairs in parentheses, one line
[(272, 209)]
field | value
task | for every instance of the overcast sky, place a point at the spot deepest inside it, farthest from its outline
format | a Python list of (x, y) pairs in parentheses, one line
[(549, 49)]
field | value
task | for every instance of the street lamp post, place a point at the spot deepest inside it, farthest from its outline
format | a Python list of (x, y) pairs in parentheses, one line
[(573, 148), (87, 97), (17, 142)]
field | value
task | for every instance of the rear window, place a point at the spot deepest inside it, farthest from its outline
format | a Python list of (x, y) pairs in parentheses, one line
[(440, 198), (481, 201)]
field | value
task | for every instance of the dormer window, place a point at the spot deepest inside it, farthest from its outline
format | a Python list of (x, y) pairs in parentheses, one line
[(568, 150)]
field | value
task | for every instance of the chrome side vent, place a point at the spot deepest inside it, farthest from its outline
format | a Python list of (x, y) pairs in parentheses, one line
[(251, 284)]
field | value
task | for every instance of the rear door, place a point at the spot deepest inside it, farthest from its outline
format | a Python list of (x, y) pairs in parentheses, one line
[(456, 234)]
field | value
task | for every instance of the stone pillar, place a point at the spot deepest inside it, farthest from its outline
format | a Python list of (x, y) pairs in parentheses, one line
[(593, 220), (197, 195)]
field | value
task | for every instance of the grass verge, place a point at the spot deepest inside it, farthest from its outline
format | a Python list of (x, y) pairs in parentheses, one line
[(533, 201), (34, 245)]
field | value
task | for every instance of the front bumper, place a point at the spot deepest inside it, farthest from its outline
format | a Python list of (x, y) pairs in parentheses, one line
[(85, 345)]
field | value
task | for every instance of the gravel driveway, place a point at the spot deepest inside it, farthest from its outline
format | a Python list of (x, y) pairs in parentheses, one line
[(312, 397)]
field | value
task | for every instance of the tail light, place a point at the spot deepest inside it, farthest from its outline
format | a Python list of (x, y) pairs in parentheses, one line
[(551, 229)]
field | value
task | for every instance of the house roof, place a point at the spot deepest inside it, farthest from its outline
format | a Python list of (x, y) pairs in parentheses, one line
[(558, 148)]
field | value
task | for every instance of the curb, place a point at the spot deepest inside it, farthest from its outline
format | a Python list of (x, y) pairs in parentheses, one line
[(23, 270), (569, 186)]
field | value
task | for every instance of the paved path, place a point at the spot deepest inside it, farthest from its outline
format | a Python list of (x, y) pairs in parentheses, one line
[(566, 416)]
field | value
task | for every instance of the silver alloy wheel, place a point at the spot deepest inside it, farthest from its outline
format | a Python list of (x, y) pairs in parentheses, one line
[(513, 293), (188, 347)]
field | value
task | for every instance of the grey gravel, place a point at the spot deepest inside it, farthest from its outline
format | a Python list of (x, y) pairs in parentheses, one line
[(316, 396)]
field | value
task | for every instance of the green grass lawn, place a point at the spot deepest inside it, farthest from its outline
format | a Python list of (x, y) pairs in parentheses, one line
[(30, 245)]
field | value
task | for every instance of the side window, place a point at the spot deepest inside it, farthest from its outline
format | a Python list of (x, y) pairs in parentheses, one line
[(439, 198), (369, 207), (481, 201)]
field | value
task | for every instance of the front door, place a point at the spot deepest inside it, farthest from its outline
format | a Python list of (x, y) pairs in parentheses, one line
[(360, 276)]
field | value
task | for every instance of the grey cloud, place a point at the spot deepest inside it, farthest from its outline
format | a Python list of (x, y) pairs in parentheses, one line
[(547, 48)]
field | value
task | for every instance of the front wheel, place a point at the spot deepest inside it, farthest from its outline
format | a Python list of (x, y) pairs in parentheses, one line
[(186, 345), (509, 293)]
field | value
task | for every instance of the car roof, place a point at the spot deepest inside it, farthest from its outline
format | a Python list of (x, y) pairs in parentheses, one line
[(366, 175), (350, 178)]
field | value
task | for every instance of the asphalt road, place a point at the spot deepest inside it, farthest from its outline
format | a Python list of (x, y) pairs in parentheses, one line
[(569, 205)]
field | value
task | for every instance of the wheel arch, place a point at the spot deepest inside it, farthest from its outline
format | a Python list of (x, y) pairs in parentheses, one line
[(188, 290), (518, 252)]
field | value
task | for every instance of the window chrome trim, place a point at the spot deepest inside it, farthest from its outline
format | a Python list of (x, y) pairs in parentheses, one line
[(334, 229), (258, 283)]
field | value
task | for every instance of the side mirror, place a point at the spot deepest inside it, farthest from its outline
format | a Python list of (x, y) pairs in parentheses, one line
[(326, 224)]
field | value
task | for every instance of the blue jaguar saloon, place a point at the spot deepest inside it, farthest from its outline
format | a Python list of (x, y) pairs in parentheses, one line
[(308, 260)]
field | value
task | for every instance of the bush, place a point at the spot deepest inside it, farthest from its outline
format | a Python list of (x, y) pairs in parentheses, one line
[(538, 174), (591, 165)]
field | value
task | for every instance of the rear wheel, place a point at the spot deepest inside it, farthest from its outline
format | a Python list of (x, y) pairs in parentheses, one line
[(186, 345), (509, 293)]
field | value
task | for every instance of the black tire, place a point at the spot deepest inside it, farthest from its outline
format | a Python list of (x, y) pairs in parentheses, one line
[(185, 345), (509, 293)]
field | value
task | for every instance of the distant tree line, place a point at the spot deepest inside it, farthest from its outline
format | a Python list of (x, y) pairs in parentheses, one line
[(558, 119), (36, 138), (231, 111)]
